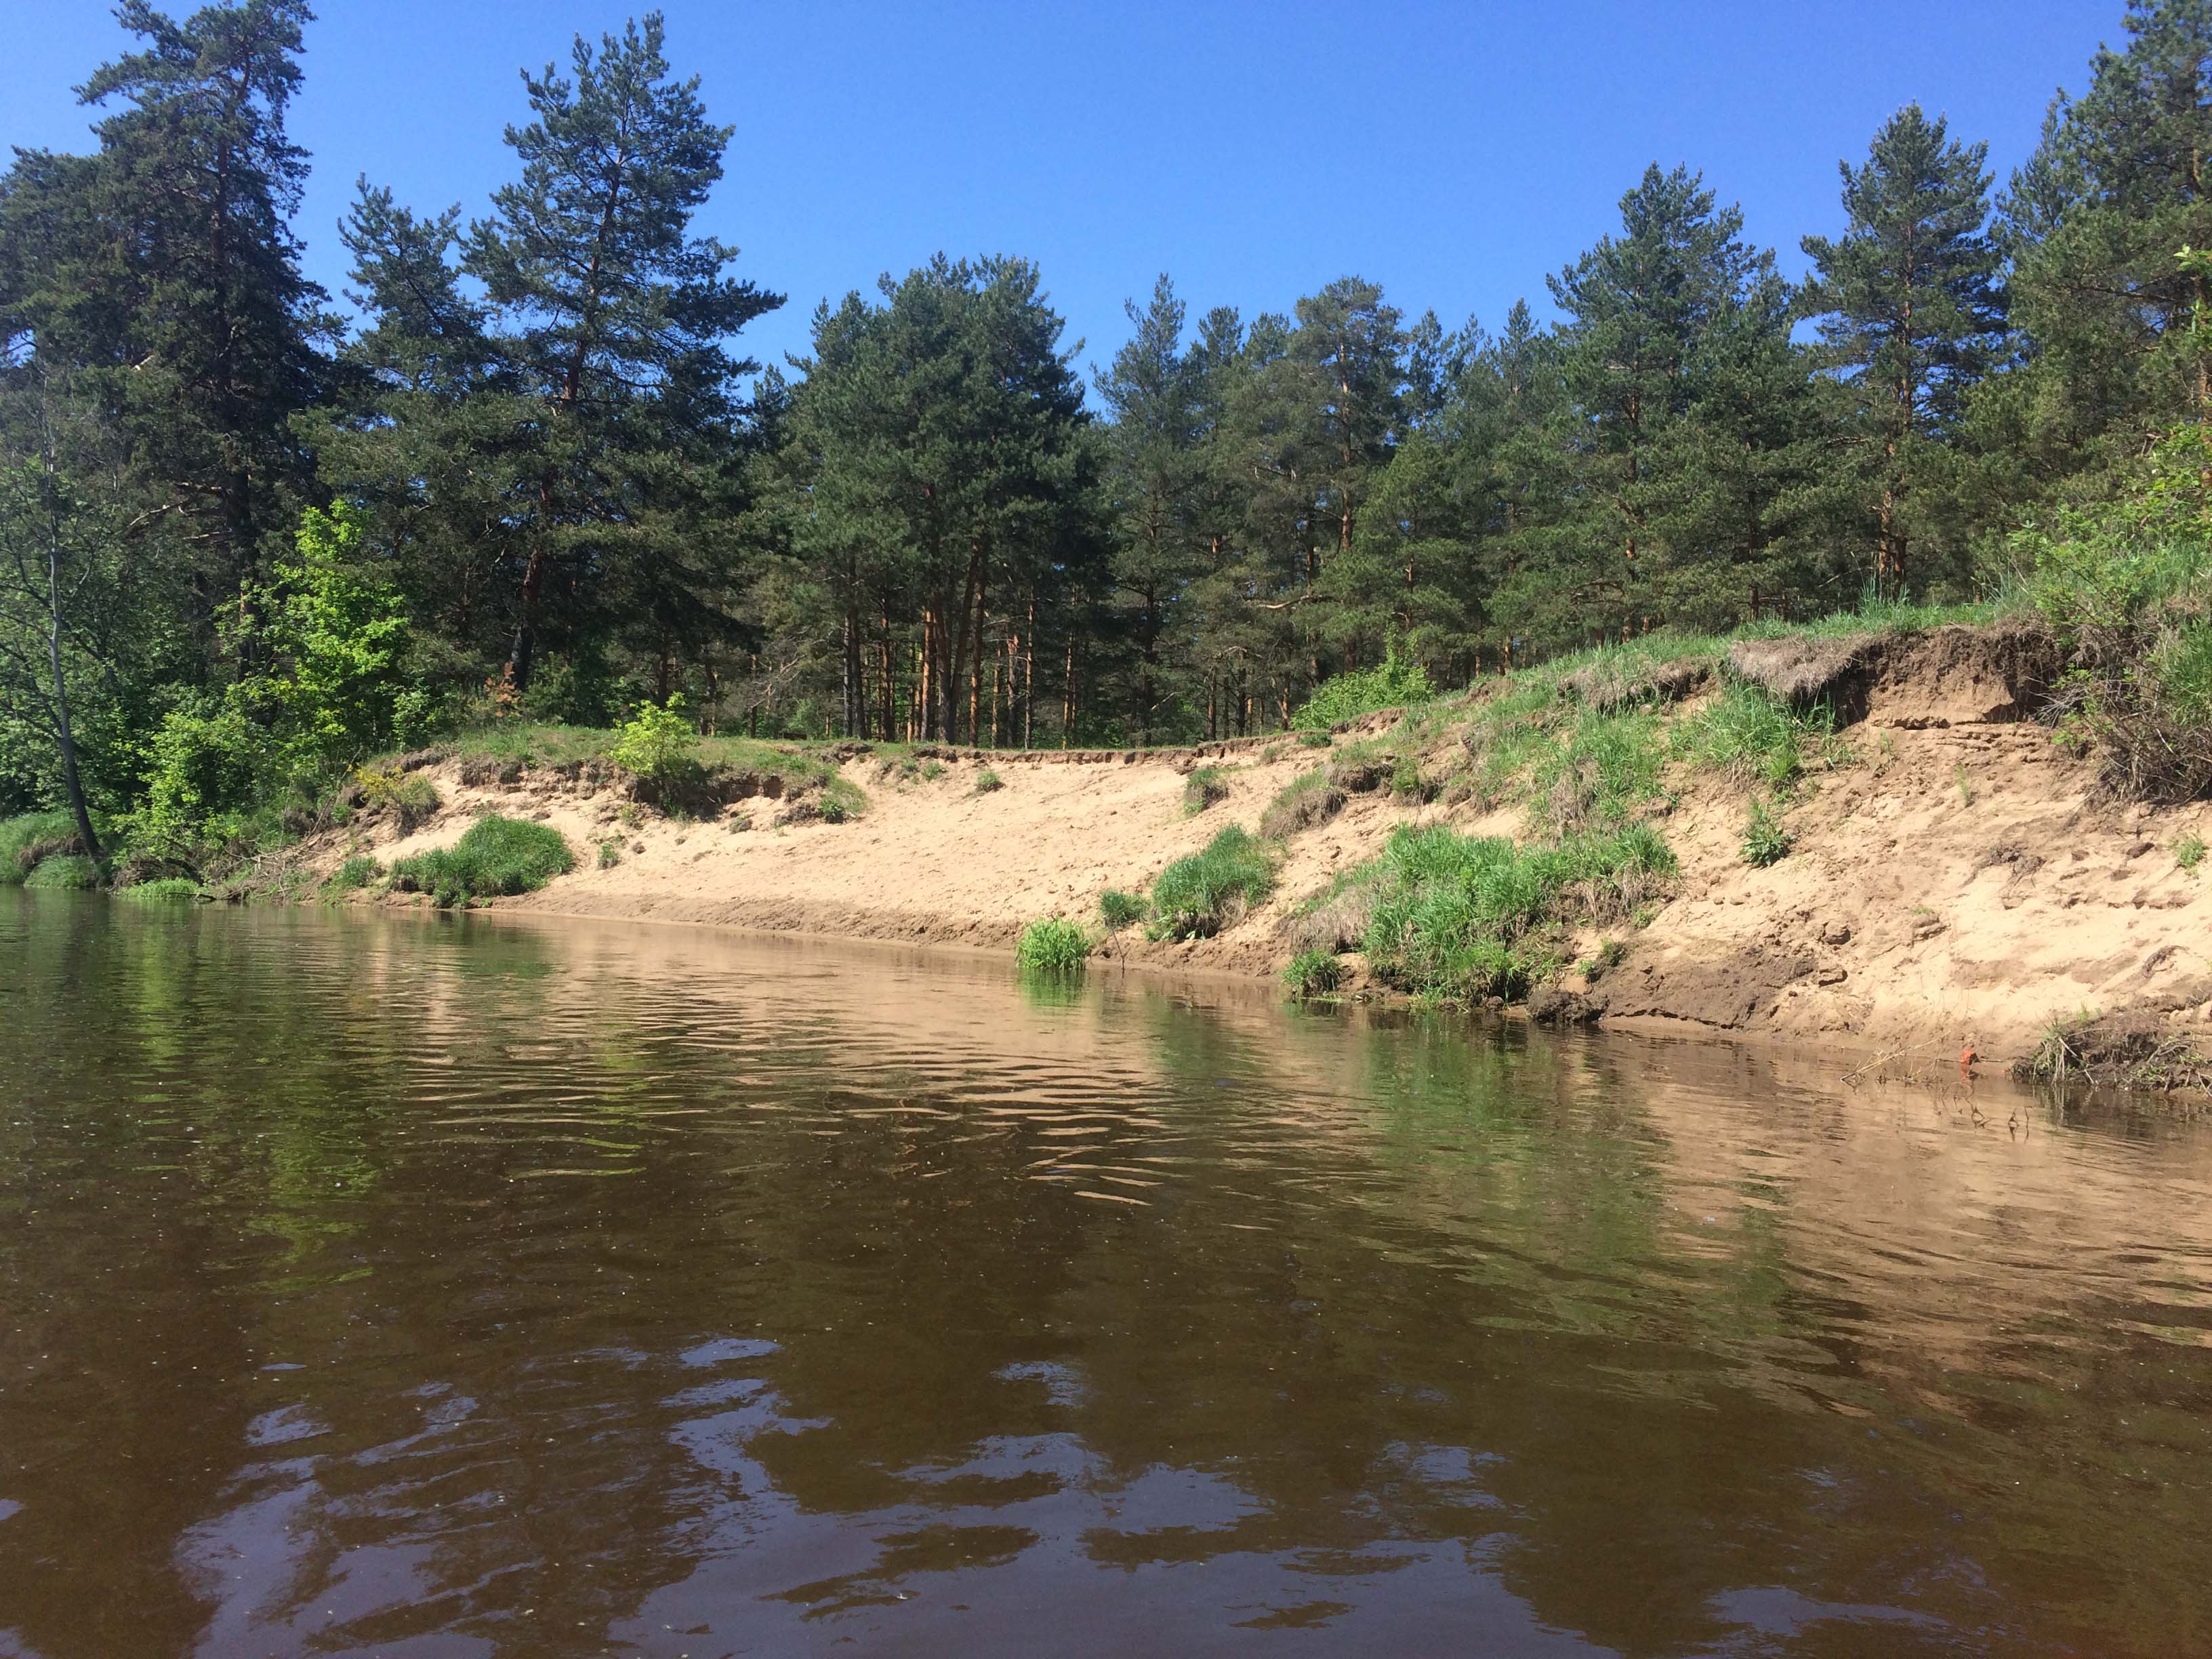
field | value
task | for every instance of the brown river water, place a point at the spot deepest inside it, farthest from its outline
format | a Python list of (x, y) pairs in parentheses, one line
[(393, 1284)]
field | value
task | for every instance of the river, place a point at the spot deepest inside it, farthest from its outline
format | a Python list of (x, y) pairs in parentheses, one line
[(424, 1287)]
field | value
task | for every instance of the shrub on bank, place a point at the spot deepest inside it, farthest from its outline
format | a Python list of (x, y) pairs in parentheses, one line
[(1313, 973), (497, 858), (1196, 897), (1118, 909), (1464, 917), (1053, 945), (1390, 684), (1205, 786)]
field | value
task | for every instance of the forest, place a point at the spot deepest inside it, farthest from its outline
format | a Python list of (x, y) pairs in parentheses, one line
[(249, 537)]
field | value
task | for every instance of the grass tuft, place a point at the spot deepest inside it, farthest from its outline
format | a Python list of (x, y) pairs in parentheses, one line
[(162, 890), (1764, 840), (1205, 787), (498, 857), (1313, 973), (72, 871), (1053, 945), (1118, 909), (1196, 897)]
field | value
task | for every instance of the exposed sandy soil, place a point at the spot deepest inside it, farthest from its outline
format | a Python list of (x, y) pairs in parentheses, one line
[(1959, 883)]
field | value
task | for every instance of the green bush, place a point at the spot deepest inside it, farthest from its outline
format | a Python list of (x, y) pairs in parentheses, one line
[(69, 870), (659, 746), (498, 857), (988, 780), (1205, 787), (1764, 840), (359, 871), (1313, 973), (1053, 945), (1389, 684), (163, 890), (1196, 897), (26, 840), (1464, 917), (610, 852), (2189, 851), (1118, 909)]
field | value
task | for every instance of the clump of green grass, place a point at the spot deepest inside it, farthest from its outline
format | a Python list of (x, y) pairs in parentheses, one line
[(64, 870), (1196, 897), (162, 890), (498, 857), (1765, 841), (609, 852), (987, 781), (2189, 851), (1313, 973), (1053, 945), (1118, 909), (25, 840), (1308, 799), (1461, 917), (1754, 737), (1203, 788), (1314, 739), (841, 800), (357, 871)]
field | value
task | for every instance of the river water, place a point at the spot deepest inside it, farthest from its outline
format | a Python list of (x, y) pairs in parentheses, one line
[(420, 1286)]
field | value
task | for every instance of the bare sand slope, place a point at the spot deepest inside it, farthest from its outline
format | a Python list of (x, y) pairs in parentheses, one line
[(1959, 883)]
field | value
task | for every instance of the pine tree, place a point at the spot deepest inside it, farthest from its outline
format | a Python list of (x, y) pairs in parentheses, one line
[(1641, 310), (1911, 315), (1152, 474), (2095, 220), (611, 318), (165, 265)]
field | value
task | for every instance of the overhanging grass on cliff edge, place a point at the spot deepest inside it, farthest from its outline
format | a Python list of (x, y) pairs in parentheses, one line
[(1461, 917)]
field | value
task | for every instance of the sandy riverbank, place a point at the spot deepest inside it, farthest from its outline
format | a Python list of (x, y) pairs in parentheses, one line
[(1959, 881)]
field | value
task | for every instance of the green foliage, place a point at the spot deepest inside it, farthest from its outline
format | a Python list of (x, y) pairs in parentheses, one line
[(1313, 973), (2189, 851), (412, 798), (337, 628), (1764, 840), (988, 780), (1461, 917), (659, 744), (163, 890), (1196, 897), (1754, 736), (610, 852), (64, 870), (359, 871), (1314, 739), (1204, 788), (497, 857), (1391, 684), (207, 766), (1053, 945), (1118, 909), (26, 840)]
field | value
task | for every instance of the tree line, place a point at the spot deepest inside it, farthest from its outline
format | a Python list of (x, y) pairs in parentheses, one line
[(533, 476)]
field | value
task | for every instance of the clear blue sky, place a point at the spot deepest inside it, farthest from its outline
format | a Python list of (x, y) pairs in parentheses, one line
[(1455, 153)]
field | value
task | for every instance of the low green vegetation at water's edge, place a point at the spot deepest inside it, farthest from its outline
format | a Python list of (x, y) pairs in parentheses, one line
[(498, 857), (1195, 897), (1053, 945), (1118, 909)]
